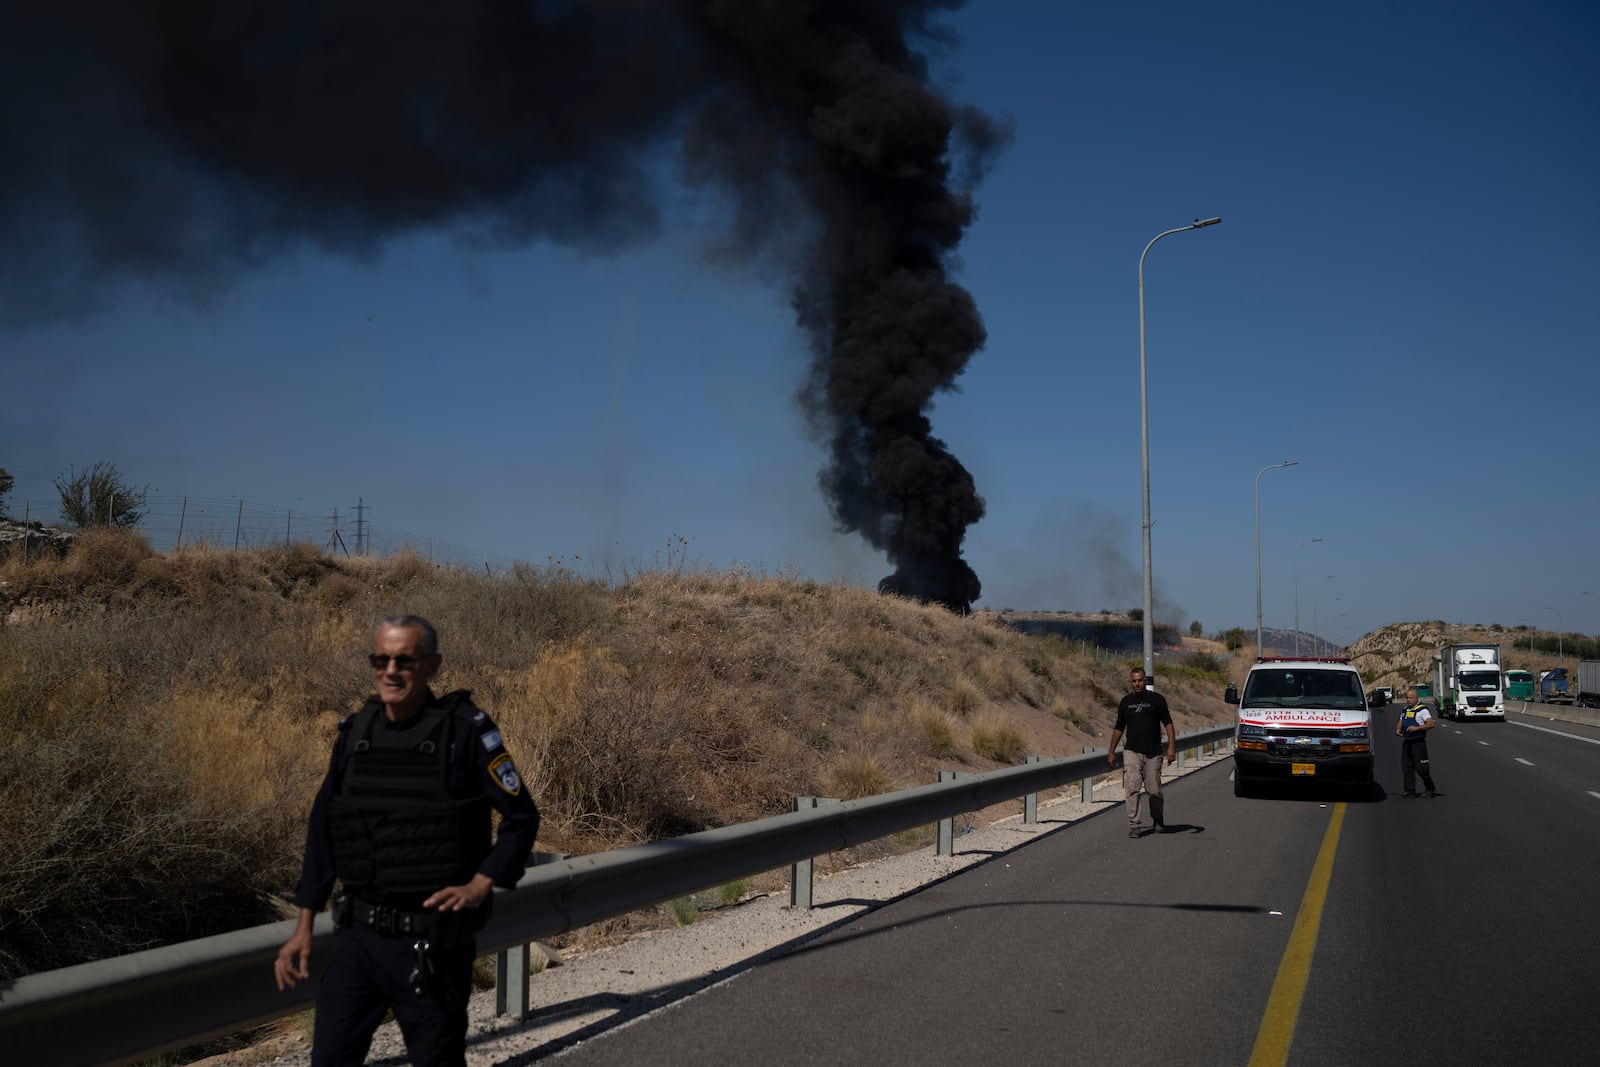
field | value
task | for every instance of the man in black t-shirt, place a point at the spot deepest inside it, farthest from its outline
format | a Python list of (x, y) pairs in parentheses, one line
[(1142, 716)]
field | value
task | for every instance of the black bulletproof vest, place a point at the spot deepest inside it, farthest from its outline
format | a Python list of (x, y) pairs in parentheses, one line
[(399, 822)]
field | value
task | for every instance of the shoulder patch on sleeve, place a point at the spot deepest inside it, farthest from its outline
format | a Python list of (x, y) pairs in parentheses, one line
[(505, 774), (479, 717), (491, 741)]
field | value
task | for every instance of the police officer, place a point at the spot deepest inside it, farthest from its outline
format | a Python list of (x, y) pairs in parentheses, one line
[(403, 822), (1412, 728)]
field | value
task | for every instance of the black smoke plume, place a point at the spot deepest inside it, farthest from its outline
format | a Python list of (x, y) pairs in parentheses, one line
[(181, 142)]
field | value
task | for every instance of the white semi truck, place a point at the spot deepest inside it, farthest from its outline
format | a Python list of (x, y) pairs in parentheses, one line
[(1467, 682)]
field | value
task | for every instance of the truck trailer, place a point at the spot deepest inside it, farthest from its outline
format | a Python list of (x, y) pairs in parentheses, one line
[(1466, 682), (1588, 683), (1553, 686)]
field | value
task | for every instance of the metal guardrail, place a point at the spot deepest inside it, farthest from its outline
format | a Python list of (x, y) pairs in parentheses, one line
[(117, 1010)]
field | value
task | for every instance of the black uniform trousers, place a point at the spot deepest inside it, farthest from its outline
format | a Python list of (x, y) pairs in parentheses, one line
[(370, 973), (1414, 761)]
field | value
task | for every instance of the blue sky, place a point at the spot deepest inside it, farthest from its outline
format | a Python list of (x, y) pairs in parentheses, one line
[(1401, 298)]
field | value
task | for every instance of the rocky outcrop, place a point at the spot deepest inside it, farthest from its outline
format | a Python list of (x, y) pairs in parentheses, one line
[(32, 537)]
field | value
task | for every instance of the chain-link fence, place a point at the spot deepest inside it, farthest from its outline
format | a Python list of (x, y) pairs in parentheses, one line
[(174, 520)]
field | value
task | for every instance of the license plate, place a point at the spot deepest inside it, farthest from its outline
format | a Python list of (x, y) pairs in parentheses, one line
[(1303, 768)]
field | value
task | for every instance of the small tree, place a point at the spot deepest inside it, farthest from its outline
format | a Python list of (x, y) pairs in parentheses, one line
[(1195, 629), (99, 497), (1234, 638), (6, 482)]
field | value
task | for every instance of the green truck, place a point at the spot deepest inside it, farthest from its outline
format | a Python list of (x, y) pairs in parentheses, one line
[(1519, 685)]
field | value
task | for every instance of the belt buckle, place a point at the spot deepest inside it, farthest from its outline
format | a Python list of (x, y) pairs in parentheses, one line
[(383, 919)]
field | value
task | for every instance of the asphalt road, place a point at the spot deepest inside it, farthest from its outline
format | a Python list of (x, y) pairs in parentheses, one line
[(1457, 930)]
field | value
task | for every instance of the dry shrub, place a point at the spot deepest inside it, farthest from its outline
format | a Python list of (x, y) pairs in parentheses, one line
[(604, 755), (936, 726), (994, 737), (108, 848), (856, 774), (1069, 715), (1000, 676), (965, 698)]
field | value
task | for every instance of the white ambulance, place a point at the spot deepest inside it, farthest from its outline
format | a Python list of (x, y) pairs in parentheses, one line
[(1302, 720)]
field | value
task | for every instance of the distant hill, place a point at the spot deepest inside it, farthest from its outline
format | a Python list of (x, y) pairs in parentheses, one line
[(1283, 643), (1402, 653)]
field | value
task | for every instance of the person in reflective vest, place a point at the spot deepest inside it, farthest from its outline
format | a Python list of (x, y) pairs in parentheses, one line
[(1412, 728), (403, 823)]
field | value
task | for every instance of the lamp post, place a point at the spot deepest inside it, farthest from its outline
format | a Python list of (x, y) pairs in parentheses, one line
[(1597, 597), (1144, 436), (1560, 631), (1295, 557), (1259, 473), (1333, 627), (1316, 627)]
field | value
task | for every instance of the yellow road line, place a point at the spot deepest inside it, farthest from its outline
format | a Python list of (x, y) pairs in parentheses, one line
[(1283, 1004)]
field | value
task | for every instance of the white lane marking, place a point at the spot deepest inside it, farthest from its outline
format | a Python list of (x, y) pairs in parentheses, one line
[(1485, 744), (1524, 762), (1594, 794), (1558, 733)]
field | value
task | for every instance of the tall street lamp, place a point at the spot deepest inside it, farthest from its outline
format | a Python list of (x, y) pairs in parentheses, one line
[(1259, 473), (1144, 435), (1295, 557), (1316, 627), (1560, 632)]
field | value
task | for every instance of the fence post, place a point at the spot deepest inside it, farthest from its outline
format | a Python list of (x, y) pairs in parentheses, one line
[(1030, 803), (512, 964), (800, 871), (945, 842)]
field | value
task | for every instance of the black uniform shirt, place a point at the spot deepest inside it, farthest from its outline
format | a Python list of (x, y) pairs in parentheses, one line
[(493, 775), (1141, 716)]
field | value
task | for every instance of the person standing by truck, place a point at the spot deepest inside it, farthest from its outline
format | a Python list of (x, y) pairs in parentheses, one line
[(1412, 728)]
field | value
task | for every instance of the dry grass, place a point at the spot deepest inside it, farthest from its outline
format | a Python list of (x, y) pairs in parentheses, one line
[(995, 737), (165, 719)]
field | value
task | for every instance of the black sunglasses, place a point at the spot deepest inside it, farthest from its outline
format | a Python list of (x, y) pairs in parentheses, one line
[(402, 662)]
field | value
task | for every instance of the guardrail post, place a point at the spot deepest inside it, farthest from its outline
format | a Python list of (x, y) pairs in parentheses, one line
[(513, 964), (800, 871), (1088, 782), (945, 841), (1182, 752), (1030, 803)]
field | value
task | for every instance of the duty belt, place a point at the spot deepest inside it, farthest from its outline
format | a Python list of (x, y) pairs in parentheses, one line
[(386, 920)]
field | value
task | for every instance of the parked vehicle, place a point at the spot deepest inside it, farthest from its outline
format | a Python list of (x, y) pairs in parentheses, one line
[(1375, 697), (1302, 720), (1519, 685), (1424, 691), (1588, 684), (1553, 686), (1466, 682)]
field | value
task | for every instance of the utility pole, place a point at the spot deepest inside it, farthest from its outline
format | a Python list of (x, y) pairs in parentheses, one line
[(363, 533), (334, 538)]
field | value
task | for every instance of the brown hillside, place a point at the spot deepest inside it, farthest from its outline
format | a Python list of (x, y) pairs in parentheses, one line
[(1400, 654), (171, 715)]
